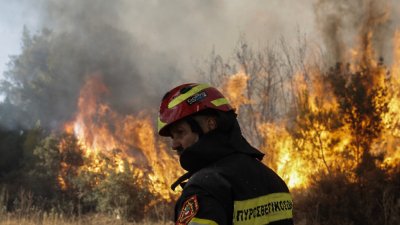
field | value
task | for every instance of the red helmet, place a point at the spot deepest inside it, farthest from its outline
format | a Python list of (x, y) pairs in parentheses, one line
[(186, 100)]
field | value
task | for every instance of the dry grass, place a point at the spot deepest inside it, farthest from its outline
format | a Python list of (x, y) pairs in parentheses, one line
[(56, 219), (26, 213)]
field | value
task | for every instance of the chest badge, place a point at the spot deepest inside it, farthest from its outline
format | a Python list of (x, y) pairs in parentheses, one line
[(188, 210)]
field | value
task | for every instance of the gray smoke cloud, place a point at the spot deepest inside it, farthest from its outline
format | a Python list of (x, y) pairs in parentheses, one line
[(175, 34), (141, 48), (345, 24)]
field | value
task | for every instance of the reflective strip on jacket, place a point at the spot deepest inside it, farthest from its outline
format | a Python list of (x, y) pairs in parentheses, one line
[(237, 189)]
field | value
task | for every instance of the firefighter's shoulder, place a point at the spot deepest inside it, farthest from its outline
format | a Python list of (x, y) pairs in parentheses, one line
[(209, 177)]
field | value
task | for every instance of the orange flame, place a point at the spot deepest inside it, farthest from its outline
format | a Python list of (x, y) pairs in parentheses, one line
[(391, 136), (322, 144), (131, 138), (235, 87)]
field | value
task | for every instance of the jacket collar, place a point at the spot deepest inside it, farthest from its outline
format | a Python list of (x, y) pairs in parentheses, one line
[(214, 146)]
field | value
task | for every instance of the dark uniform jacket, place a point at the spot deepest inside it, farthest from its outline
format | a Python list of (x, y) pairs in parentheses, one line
[(229, 185)]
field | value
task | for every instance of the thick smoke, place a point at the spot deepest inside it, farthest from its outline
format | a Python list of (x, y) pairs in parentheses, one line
[(172, 36), (82, 39), (140, 49), (105, 46), (143, 48), (345, 24)]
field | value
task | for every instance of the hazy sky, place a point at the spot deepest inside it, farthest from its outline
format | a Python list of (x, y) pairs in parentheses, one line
[(142, 48), (189, 29), (182, 31), (14, 14)]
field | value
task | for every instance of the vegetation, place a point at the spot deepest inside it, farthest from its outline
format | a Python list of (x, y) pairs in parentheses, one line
[(335, 119), (333, 116), (43, 163)]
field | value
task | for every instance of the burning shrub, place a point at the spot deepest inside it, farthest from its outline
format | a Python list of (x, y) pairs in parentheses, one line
[(122, 195), (57, 176), (333, 133), (44, 166), (339, 125), (337, 200), (344, 127), (105, 189)]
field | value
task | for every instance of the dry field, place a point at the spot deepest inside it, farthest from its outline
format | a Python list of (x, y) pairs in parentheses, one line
[(47, 219)]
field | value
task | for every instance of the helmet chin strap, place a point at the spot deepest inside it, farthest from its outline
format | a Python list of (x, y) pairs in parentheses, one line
[(194, 125)]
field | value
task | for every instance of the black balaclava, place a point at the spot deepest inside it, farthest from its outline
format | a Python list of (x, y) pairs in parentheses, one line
[(214, 145)]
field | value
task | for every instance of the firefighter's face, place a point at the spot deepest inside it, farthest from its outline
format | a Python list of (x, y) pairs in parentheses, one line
[(182, 136)]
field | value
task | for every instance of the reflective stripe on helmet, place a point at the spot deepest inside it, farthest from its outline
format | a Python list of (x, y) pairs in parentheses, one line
[(186, 95), (220, 101), (188, 99), (160, 124)]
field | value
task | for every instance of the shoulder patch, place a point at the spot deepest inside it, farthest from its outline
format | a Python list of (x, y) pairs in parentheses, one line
[(189, 209)]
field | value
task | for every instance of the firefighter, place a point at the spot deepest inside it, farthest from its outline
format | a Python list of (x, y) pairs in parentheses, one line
[(226, 182)]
